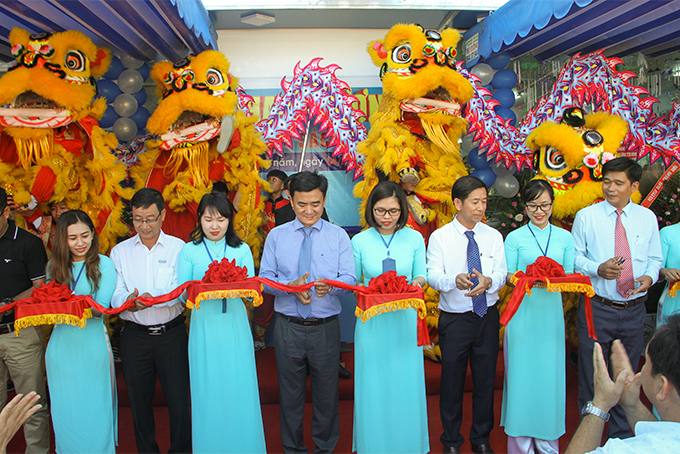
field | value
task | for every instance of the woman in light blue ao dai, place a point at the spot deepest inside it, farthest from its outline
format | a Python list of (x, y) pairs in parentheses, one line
[(390, 407), (79, 362), (225, 401), (670, 245), (534, 394)]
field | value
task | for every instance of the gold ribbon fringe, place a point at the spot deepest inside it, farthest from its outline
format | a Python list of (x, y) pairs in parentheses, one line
[(219, 294), (411, 303), (52, 319)]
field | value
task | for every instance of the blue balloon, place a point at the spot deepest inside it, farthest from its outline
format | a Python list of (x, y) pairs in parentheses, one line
[(506, 97), (144, 71), (141, 95), (107, 89), (487, 176), (109, 118), (478, 161), (499, 61), (507, 114), (504, 78), (115, 68), (140, 117)]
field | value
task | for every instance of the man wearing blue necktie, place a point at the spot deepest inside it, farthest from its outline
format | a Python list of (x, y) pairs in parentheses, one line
[(306, 329), (466, 263)]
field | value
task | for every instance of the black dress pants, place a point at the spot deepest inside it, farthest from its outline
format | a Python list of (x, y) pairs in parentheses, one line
[(464, 337), (145, 357)]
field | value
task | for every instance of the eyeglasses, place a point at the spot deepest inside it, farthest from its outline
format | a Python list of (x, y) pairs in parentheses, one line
[(140, 221), (382, 211), (544, 207)]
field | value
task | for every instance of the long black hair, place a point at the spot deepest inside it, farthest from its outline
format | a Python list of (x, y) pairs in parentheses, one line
[(216, 202)]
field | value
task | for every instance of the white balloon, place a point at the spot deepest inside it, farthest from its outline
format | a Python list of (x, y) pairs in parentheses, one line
[(501, 171), (130, 81), (467, 143), (125, 105), (131, 62), (484, 72), (507, 186), (125, 129)]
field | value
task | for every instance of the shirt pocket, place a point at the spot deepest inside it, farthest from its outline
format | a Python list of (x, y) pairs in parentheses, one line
[(164, 277), (487, 265)]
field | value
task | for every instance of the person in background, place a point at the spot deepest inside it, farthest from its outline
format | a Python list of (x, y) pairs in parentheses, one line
[(389, 415), (79, 362), (154, 340), (306, 330), (534, 395), (469, 320), (670, 246), (617, 246), (225, 400), (22, 268), (275, 214), (45, 226), (659, 379)]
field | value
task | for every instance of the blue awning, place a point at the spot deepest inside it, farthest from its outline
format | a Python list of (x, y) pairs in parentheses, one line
[(140, 28), (548, 28)]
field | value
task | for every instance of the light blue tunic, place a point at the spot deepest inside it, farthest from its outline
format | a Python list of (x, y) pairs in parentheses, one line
[(670, 246), (390, 407), (80, 375), (534, 393), (225, 401)]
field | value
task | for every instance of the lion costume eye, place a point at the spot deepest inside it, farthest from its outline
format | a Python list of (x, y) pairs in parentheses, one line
[(402, 54), (554, 159), (214, 78), (74, 60)]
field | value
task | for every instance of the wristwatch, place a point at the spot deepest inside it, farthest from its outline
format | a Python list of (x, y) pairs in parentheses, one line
[(590, 409)]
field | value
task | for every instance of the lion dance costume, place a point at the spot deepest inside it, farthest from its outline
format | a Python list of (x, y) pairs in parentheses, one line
[(205, 138), (51, 146)]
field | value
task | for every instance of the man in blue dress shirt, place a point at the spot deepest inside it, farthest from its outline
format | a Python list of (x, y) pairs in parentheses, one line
[(617, 246), (306, 329)]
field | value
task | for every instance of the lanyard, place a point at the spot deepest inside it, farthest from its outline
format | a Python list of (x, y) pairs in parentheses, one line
[(74, 283), (547, 245), (387, 244), (224, 253)]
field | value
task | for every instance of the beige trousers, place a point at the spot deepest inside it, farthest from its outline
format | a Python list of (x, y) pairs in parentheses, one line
[(23, 358)]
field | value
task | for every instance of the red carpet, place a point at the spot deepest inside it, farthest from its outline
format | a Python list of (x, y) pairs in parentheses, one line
[(266, 370)]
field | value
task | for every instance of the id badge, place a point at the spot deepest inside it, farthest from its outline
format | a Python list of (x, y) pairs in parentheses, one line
[(389, 264)]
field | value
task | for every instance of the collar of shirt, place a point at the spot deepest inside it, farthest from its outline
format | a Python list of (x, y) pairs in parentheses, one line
[(297, 225), (461, 229), (611, 209), (12, 230), (136, 240)]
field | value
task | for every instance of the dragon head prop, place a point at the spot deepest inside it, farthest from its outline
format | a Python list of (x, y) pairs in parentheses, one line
[(205, 136), (570, 155)]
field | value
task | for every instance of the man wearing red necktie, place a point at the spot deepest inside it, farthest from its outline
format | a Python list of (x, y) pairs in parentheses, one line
[(617, 246)]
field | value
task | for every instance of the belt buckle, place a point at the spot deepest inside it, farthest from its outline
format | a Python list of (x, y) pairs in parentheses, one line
[(619, 304), (156, 330)]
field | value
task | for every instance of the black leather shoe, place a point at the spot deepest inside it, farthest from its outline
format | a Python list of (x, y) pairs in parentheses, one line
[(482, 449), (344, 373), (451, 449)]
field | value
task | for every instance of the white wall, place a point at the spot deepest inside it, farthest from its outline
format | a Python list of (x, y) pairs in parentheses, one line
[(261, 58)]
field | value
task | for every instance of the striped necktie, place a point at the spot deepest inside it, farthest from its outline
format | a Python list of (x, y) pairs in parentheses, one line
[(304, 265)]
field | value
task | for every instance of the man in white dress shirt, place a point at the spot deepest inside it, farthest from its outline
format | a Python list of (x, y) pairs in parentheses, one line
[(154, 340), (466, 263), (621, 273)]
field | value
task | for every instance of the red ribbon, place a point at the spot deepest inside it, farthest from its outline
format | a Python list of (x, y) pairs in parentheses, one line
[(547, 271)]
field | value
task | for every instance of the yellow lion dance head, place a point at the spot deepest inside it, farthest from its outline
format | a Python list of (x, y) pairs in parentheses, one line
[(51, 146), (570, 155), (414, 133), (204, 138)]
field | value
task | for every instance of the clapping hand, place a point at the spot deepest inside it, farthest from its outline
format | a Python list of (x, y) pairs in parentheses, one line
[(303, 297)]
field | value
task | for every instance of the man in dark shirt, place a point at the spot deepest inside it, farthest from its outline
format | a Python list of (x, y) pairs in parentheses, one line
[(22, 267)]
